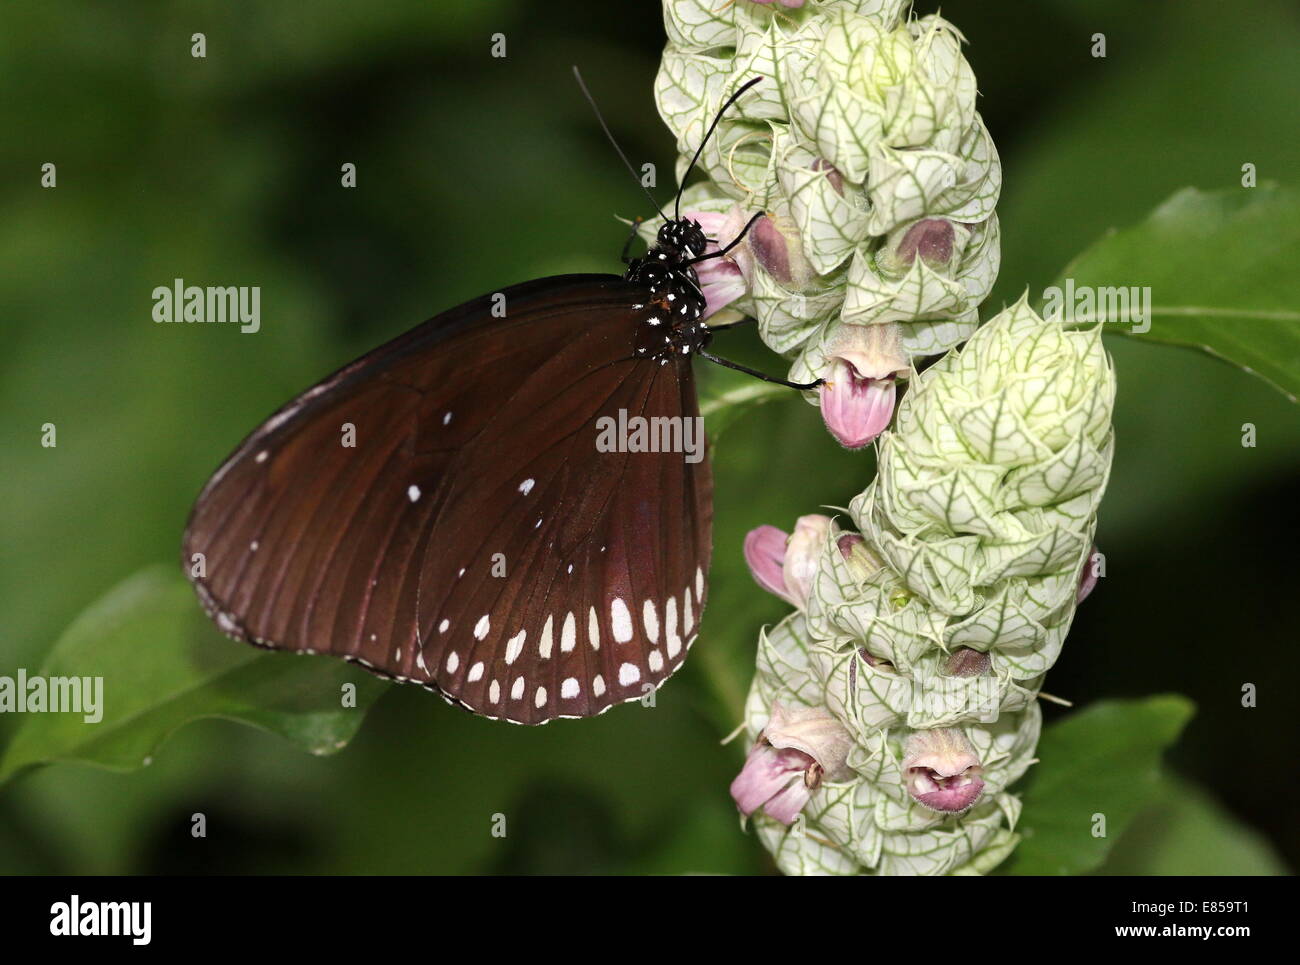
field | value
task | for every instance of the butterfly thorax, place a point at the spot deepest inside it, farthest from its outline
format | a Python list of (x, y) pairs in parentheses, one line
[(671, 325)]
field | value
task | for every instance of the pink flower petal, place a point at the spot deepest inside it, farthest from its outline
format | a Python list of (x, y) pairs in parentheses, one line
[(721, 283), (1087, 579), (846, 542), (786, 805), (712, 222), (766, 774), (832, 174), (814, 731), (765, 554), (949, 795), (931, 240), (942, 769), (801, 554), (721, 279), (772, 249), (856, 410)]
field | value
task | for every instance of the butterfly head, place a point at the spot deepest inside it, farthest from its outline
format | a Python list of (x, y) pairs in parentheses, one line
[(684, 236)]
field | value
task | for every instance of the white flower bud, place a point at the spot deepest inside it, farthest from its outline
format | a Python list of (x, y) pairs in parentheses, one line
[(862, 128)]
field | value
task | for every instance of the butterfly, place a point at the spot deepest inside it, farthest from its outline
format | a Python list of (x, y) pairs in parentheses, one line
[(447, 509)]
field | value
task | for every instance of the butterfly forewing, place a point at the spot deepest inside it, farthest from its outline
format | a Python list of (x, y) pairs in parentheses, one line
[(439, 511)]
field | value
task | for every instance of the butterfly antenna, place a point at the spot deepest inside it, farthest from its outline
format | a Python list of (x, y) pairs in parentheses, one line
[(610, 134), (677, 207)]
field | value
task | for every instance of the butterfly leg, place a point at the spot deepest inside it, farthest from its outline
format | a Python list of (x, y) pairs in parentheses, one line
[(727, 363), (627, 245)]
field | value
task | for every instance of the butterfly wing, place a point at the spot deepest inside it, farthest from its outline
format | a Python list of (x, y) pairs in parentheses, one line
[(442, 511), (579, 575)]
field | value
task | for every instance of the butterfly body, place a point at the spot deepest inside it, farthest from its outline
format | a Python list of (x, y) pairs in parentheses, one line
[(445, 510), (676, 328)]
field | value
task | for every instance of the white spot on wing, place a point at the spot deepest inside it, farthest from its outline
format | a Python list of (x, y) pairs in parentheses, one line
[(598, 685), (688, 613), (656, 661), (544, 645), (482, 627), (517, 689), (494, 692), (650, 617), (526, 486), (442, 627), (539, 701), (446, 418), (475, 672), (593, 629), (674, 646), (260, 457), (670, 628), (515, 645), (699, 584), (621, 620), (628, 674), (569, 689), (453, 661), (569, 635), (413, 492)]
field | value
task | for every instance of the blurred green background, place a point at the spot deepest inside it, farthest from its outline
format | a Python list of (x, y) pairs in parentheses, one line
[(474, 173)]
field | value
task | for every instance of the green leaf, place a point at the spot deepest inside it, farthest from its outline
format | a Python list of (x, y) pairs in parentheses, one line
[(1220, 266), (163, 665), (1186, 832), (1101, 761)]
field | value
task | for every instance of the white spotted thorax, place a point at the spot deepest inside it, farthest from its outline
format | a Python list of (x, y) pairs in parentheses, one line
[(976, 534), (672, 327)]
